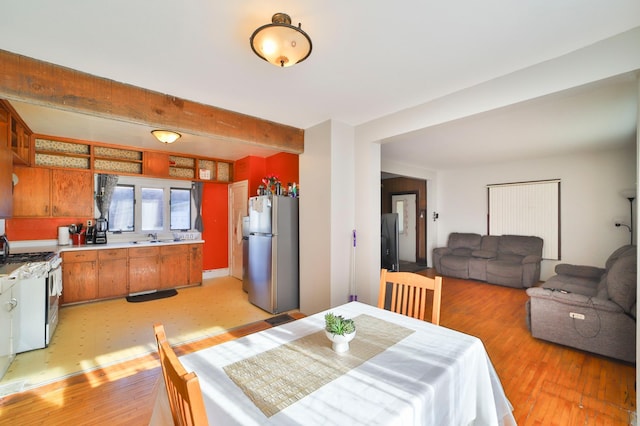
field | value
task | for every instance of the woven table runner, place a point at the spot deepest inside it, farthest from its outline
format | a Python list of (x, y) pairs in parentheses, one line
[(277, 378)]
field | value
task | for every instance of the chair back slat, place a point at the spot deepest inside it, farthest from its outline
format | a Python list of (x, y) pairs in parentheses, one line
[(408, 294), (183, 389)]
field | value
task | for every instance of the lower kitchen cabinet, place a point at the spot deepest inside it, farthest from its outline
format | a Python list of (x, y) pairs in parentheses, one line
[(79, 276), (195, 263), (144, 269), (107, 273), (113, 274), (173, 260)]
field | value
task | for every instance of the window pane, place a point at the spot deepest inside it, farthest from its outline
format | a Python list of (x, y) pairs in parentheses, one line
[(180, 209), (121, 210), (152, 209)]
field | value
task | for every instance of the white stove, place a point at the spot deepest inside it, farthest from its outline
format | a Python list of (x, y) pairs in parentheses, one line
[(38, 290)]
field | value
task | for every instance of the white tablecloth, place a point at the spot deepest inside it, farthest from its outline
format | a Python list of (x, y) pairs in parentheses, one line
[(436, 376)]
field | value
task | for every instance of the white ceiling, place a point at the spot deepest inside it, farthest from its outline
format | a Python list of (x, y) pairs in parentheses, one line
[(369, 60)]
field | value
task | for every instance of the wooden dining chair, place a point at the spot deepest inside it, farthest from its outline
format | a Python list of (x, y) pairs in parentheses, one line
[(183, 389), (408, 295)]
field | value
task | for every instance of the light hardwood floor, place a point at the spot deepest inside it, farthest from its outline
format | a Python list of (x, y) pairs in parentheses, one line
[(546, 383)]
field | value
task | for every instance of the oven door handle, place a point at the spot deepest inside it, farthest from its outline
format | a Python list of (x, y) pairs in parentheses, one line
[(11, 305)]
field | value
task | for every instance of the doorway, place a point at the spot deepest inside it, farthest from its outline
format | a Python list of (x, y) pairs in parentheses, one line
[(405, 206), (238, 208), (413, 192)]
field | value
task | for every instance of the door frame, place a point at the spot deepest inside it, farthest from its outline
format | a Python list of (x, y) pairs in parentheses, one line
[(241, 187), (416, 219)]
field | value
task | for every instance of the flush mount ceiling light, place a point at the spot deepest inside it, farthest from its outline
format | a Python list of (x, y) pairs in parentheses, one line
[(166, 136), (281, 43)]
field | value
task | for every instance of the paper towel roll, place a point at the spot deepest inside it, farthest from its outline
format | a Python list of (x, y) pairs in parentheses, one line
[(63, 235)]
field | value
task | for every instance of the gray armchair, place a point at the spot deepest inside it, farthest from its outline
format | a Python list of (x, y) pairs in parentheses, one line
[(589, 308)]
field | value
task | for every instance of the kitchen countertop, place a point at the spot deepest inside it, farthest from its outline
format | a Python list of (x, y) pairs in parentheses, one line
[(52, 246), (120, 245)]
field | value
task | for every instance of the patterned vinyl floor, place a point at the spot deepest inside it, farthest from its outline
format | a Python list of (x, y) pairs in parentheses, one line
[(103, 333)]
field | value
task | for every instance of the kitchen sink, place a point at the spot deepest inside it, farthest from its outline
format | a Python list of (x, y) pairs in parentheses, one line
[(166, 240)]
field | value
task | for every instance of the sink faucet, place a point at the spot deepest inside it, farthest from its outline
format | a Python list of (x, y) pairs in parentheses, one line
[(153, 236)]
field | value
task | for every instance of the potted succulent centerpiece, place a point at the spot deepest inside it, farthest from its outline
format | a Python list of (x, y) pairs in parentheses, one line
[(340, 331)]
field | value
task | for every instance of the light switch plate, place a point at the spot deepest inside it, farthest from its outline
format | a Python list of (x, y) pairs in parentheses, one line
[(89, 222)]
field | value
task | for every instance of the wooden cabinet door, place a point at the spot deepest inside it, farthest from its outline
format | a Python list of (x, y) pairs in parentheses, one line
[(31, 196), (4, 127), (195, 263), (174, 269), (144, 269), (79, 276), (113, 273), (72, 193), (156, 164), (6, 195)]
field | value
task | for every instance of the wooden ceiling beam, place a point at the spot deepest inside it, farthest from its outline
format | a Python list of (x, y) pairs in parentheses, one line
[(42, 83)]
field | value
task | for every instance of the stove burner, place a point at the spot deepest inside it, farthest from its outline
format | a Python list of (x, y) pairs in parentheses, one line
[(30, 257)]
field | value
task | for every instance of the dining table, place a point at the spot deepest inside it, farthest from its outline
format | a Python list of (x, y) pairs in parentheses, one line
[(398, 371)]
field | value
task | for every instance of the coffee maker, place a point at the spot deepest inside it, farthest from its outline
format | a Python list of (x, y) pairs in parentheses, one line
[(100, 232), (90, 234)]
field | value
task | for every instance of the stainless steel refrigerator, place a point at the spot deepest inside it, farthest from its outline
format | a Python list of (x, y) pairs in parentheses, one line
[(273, 278)]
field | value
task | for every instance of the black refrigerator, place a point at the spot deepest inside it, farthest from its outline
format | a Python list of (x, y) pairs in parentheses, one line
[(273, 267)]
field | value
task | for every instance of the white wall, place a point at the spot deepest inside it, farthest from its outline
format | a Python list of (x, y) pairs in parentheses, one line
[(315, 219), (342, 211), (590, 201), (326, 216)]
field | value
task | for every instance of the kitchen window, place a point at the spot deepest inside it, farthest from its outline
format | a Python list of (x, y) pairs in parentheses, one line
[(147, 205)]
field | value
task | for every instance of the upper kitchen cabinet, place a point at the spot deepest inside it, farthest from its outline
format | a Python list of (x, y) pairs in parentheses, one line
[(71, 193), (156, 164), (6, 167), (42, 192), (32, 193), (15, 134)]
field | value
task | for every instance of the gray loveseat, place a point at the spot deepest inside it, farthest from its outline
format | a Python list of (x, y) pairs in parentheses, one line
[(589, 308), (509, 260)]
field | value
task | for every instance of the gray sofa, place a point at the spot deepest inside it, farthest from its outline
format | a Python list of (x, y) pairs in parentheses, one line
[(509, 260), (589, 308)]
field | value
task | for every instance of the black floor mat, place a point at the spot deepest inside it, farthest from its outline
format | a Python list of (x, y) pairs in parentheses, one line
[(152, 296), (280, 319)]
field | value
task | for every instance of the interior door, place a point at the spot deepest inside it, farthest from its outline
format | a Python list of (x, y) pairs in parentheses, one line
[(405, 206), (238, 200)]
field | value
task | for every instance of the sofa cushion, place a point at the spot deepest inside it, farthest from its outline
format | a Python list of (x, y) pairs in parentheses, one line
[(490, 243), (510, 258), (579, 271), (484, 254), (627, 250), (464, 240), (602, 288), (572, 284), (462, 251), (621, 282), (520, 245)]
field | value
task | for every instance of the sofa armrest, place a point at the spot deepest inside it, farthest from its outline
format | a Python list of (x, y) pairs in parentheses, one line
[(573, 299), (484, 254), (532, 258), (579, 271), (442, 251)]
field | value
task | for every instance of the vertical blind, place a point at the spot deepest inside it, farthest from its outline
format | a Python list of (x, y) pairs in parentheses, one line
[(527, 208)]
